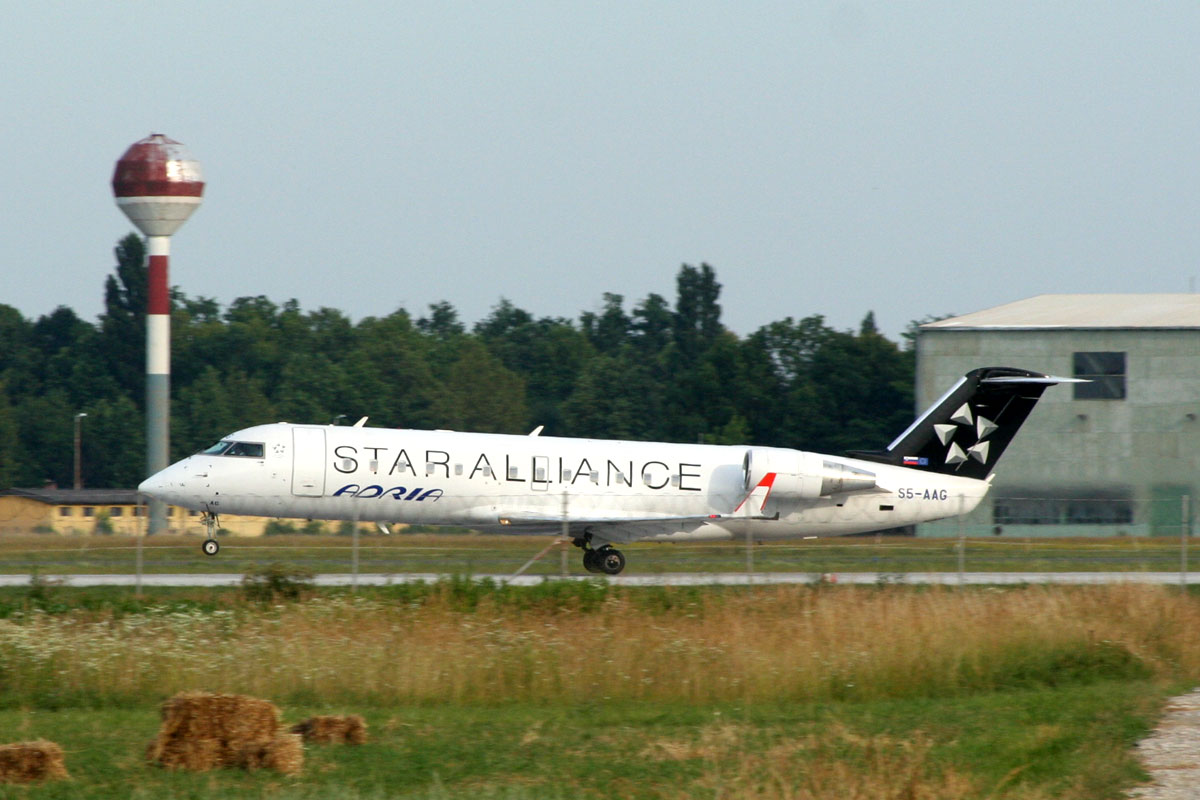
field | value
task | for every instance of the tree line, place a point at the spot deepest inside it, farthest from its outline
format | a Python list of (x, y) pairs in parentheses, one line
[(656, 371)]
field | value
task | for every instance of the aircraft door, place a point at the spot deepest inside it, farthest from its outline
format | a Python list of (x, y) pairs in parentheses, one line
[(308, 462), (539, 481)]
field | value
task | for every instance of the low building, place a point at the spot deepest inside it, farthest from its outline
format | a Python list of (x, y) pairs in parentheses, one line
[(101, 511), (1116, 455)]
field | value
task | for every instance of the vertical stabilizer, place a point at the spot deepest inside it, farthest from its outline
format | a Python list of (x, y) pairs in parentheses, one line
[(967, 430)]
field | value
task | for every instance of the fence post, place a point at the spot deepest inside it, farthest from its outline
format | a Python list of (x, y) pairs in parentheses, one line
[(962, 542), (140, 530), (354, 556), (566, 535), (1185, 524), (749, 555)]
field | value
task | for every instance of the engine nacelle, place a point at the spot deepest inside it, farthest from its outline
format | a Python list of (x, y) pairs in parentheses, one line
[(803, 476)]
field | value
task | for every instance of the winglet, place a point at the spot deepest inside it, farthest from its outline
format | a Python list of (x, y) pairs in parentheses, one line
[(759, 494)]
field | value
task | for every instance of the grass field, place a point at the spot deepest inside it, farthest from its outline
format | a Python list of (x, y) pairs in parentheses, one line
[(503, 555), (588, 690)]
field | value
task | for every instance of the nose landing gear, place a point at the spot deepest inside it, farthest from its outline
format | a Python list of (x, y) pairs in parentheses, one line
[(605, 559), (210, 547)]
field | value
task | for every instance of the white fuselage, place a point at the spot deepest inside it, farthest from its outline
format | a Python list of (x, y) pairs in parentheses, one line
[(618, 490)]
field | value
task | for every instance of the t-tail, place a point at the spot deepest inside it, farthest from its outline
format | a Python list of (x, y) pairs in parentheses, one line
[(967, 430)]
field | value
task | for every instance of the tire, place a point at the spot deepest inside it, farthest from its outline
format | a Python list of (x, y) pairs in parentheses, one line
[(210, 547), (611, 561), (591, 561)]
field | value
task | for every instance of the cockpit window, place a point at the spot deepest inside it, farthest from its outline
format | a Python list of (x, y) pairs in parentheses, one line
[(246, 449), (249, 449)]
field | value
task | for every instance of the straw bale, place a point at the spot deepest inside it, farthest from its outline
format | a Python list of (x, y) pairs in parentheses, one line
[(197, 755), (202, 731), (328, 729), (284, 754), (228, 717), (26, 762)]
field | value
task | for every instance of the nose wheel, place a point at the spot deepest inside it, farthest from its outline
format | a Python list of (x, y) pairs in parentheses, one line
[(210, 547), (605, 560)]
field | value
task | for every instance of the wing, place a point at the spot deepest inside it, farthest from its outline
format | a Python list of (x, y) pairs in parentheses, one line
[(612, 528), (630, 527)]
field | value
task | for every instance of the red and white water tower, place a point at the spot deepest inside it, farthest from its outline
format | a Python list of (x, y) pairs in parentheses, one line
[(158, 185)]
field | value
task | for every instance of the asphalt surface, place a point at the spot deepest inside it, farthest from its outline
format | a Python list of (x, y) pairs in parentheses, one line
[(669, 579)]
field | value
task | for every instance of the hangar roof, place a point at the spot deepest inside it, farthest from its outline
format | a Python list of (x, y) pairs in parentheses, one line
[(1083, 311)]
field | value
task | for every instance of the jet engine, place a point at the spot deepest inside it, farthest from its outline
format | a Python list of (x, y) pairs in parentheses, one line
[(803, 476)]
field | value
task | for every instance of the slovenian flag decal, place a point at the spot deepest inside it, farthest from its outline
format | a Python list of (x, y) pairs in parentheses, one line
[(914, 461)]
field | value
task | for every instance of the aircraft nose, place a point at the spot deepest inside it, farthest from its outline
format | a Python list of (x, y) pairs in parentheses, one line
[(155, 486)]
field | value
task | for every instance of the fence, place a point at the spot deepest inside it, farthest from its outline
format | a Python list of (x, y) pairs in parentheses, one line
[(992, 541)]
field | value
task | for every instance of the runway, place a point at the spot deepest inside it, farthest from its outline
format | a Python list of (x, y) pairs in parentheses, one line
[(665, 579)]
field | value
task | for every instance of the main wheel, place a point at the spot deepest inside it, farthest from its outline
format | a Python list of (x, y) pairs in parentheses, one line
[(591, 561), (610, 560), (210, 547)]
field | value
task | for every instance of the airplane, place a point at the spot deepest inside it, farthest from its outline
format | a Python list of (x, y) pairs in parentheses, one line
[(608, 492)]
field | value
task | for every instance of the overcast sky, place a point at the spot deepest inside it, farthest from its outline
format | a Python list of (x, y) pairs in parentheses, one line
[(825, 157)]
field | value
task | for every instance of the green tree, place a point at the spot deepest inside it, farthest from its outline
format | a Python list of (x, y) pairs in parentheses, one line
[(480, 394), (609, 330), (697, 313), (123, 323), (400, 358), (442, 322), (113, 444), (11, 457), (609, 400)]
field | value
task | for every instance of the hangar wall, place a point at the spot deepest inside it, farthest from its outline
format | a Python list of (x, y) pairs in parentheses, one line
[(1082, 465)]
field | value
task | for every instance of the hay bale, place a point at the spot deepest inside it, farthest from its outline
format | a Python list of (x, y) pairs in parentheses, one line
[(284, 754), (196, 755), (226, 717), (202, 731), (328, 729), (26, 762)]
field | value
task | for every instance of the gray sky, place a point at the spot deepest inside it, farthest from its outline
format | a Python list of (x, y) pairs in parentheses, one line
[(824, 157)]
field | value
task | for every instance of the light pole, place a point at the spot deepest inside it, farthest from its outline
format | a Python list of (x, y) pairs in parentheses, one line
[(78, 479)]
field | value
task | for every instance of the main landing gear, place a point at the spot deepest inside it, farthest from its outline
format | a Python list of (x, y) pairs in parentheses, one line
[(210, 546), (604, 559)]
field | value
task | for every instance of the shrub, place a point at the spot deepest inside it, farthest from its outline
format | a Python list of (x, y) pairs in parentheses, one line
[(276, 582), (278, 527)]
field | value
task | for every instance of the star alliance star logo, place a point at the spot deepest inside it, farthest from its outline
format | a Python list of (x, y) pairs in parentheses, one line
[(966, 419)]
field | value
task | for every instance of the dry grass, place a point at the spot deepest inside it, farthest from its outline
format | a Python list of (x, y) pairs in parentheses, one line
[(770, 644), (837, 764)]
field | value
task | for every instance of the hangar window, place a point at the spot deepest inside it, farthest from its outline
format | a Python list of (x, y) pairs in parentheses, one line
[(1105, 373), (1100, 508)]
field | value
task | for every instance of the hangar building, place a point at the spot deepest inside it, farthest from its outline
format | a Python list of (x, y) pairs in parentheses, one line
[(1115, 456)]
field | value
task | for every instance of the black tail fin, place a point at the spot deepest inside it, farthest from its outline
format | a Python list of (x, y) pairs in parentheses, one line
[(967, 430)]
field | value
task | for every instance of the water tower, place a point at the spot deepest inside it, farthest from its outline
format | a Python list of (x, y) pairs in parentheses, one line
[(158, 185)]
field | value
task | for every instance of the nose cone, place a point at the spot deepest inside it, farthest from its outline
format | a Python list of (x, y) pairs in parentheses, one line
[(155, 486)]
